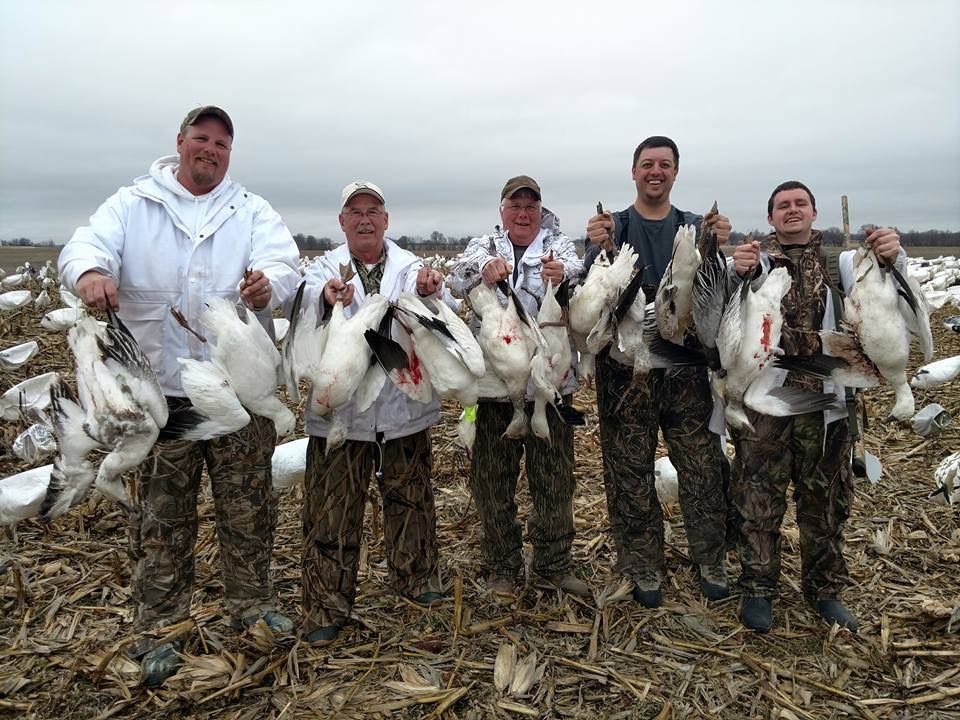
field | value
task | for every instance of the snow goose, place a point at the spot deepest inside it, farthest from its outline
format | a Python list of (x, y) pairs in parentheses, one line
[(214, 410), (246, 354), (947, 478), (881, 312), (550, 366), (594, 297), (748, 340), (119, 406), (508, 343), (674, 301)]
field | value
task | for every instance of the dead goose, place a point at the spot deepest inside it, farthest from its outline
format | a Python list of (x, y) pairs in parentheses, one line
[(674, 300), (120, 407)]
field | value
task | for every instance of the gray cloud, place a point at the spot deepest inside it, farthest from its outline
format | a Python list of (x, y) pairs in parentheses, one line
[(441, 102)]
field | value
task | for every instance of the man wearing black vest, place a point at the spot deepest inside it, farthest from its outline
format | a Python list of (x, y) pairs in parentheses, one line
[(677, 401)]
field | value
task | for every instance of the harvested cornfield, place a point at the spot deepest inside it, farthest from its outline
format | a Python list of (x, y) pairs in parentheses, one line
[(65, 616)]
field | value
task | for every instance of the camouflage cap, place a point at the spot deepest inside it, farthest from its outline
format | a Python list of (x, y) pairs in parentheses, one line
[(207, 111), (518, 183)]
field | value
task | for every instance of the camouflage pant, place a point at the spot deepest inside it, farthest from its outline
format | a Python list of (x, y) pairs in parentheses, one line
[(493, 482), (163, 526), (678, 402), (778, 451), (335, 488)]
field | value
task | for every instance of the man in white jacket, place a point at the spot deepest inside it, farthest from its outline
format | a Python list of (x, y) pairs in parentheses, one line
[(391, 438), (180, 235)]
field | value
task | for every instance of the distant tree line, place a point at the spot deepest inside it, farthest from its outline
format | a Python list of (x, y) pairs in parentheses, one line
[(438, 242)]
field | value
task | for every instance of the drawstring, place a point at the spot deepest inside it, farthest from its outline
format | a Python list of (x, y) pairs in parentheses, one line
[(378, 469)]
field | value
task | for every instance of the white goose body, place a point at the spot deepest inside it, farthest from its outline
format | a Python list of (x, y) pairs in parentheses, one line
[(748, 338), (674, 301), (550, 366), (872, 309), (594, 297), (338, 371), (14, 300), (120, 406), (947, 479), (249, 358), (508, 347)]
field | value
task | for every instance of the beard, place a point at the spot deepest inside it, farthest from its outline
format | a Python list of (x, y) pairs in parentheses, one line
[(201, 178)]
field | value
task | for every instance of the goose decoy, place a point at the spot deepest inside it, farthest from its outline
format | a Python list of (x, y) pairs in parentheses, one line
[(947, 479), (14, 357), (936, 373)]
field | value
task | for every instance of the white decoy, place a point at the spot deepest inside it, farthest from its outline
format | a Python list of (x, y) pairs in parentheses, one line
[(674, 301), (947, 479), (42, 300), (14, 300), (69, 299), (215, 408), (61, 318), (593, 301), (936, 373), (12, 281), (748, 341), (120, 407), (30, 395), (509, 344), (243, 350), (289, 463), (21, 495), (14, 357), (666, 481)]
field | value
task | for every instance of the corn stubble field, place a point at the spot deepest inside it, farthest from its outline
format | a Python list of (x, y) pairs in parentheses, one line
[(65, 615)]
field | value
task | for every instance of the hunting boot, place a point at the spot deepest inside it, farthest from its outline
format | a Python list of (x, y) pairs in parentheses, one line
[(713, 581), (646, 591), (159, 664), (757, 614), (567, 582), (833, 611), (278, 624)]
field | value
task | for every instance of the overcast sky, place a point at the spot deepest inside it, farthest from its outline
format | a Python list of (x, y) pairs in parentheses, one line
[(439, 103)]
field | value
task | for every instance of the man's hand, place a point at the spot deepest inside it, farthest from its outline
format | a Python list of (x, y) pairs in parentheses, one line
[(551, 270), (97, 289), (599, 229), (255, 290), (746, 256), (885, 243), (335, 290), (721, 226), (496, 270), (428, 281)]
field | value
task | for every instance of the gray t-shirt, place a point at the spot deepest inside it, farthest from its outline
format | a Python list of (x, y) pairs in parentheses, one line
[(652, 240)]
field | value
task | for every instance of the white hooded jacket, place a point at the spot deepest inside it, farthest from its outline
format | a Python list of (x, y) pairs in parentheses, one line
[(166, 248), (393, 414)]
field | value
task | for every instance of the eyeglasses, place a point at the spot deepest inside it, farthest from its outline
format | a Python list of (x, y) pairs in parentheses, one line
[(532, 209), (372, 213)]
